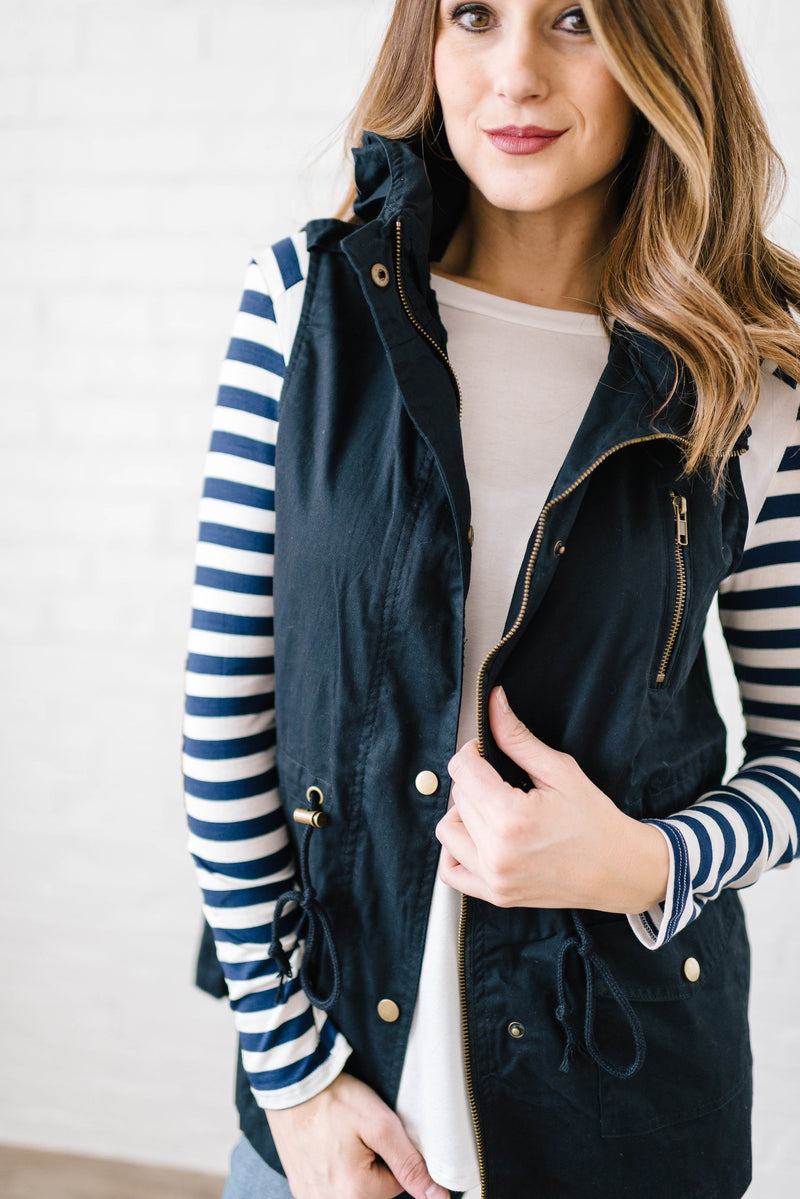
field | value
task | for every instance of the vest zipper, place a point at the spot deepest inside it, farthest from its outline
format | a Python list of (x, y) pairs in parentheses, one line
[(681, 540), (526, 590), (398, 234), (462, 994), (464, 915)]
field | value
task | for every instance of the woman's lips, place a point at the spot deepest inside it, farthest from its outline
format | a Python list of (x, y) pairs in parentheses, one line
[(522, 139)]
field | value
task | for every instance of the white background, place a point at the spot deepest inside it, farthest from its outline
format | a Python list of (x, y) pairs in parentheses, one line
[(145, 148)]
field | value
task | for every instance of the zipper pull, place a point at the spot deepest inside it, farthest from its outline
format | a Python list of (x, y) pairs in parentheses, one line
[(681, 519)]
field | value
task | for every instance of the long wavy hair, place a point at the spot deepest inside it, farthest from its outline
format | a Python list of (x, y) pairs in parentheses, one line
[(690, 263)]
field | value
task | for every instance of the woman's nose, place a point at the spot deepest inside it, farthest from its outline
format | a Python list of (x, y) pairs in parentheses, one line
[(521, 68)]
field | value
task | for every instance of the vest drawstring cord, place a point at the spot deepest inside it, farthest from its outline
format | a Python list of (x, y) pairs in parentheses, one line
[(561, 1010), (592, 961), (313, 921)]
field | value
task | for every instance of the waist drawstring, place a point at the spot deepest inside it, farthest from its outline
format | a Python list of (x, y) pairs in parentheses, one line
[(582, 945), (313, 922)]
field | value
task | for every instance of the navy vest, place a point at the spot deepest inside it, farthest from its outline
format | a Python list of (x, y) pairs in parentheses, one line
[(603, 659)]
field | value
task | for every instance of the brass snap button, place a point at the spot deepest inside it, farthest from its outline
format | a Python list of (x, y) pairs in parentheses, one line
[(470, 535), (426, 782), (559, 549), (691, 968), (516, 1030), (388, 1010), (380, 275)]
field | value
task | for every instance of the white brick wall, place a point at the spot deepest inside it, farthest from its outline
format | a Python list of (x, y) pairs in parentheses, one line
[(145, 148)]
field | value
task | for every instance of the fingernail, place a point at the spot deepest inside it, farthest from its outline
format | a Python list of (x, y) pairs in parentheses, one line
[(502, 700)]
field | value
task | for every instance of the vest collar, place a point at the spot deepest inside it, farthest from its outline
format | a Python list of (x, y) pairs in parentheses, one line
[(404, 180), (407, 180), (638, 392)]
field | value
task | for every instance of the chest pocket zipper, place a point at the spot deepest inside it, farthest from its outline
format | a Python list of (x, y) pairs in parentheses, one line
[(679, 508)]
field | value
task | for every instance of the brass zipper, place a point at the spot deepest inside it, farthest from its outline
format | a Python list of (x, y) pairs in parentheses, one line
[(462, 924), (398, 230), (681, 540), (540, 524), (462, 928), (462, 994)]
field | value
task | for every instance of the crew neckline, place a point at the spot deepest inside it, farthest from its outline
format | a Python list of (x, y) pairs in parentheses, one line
[(471, 299)]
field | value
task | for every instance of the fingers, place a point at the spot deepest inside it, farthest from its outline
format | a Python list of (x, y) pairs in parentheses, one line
[(475, 784), (454, 836), (346, 1141), (481, 800), (454, 875), (513, 738), (465, 868), (402, 1159)]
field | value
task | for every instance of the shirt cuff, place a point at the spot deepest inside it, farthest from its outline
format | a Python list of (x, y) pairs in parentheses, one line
[(306, 1088), (660, 923)]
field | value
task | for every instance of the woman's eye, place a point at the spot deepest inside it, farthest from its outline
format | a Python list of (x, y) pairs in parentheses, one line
[(573, 21), (473, 17)]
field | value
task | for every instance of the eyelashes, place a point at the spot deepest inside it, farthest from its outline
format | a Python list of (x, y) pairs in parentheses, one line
[(477, 18), (576, 13), (471, 10)]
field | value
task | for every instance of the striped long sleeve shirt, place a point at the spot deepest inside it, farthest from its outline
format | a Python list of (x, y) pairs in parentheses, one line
[(237, 833)]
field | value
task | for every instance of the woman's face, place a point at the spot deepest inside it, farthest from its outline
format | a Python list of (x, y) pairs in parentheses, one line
[(532, 113)]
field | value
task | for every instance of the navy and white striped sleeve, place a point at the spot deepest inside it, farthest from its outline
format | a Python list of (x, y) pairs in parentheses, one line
[(752, 823), (237, 833)]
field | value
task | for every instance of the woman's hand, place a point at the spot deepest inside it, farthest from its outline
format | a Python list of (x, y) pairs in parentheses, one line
[(346, 1141), (562, 845)]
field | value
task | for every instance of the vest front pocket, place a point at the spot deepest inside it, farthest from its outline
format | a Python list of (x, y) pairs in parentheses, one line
[(691, 999)]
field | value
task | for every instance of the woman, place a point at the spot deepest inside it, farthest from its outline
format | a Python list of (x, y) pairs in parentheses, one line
[(540, 504)]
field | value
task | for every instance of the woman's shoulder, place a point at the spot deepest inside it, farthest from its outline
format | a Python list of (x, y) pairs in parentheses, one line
[(280, 269), (776, 413), (283, 263), (275, 285), (774, 447)]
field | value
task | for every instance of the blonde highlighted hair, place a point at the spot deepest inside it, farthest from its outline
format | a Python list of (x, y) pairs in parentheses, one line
[(690, 263)]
